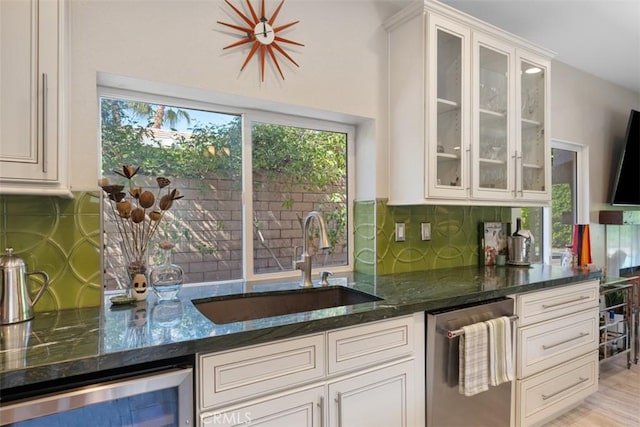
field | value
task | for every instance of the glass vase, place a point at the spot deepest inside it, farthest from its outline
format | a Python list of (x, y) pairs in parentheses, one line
[(136, 273), (166, 278)]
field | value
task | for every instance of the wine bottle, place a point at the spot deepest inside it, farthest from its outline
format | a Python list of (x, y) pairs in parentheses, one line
[(518, 227)]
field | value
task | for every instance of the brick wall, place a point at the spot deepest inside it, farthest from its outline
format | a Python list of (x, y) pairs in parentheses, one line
[(206, 226)]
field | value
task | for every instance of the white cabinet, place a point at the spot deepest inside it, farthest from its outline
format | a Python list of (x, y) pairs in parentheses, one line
[(379, 397), (371, 375), (556, 390), (448, 79), (254, 371), (468, 115), (556, 347), (300, 408), (493, 109), (32, 148), (533, 154)]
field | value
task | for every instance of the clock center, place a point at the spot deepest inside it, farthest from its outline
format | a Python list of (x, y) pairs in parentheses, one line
[(263, 33)]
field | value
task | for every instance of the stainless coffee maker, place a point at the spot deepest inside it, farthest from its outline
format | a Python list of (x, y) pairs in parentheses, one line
[(15, 302)]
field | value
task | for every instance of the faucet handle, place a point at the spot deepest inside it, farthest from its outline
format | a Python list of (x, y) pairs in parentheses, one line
[(324, 278)]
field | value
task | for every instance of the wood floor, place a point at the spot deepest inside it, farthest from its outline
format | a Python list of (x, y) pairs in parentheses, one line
[(616, 404)]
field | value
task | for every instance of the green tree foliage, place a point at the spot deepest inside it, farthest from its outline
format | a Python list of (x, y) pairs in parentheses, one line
[(309, 157), (209, 148), (299, 158), (562, 202)]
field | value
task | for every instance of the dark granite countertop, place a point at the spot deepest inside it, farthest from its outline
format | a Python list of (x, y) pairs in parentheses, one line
[(90, 340)]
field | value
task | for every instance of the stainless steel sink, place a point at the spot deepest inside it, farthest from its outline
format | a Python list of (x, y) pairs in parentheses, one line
[(257, 305)]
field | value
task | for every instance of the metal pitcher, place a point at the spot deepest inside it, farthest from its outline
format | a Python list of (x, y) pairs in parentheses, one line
[(15, 303), (519, 250)]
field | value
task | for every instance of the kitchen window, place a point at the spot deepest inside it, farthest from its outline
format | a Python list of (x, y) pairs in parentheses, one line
[(249, 178), (552, 226)]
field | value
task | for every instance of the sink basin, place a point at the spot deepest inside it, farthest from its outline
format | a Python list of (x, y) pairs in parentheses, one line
[(257, 305)]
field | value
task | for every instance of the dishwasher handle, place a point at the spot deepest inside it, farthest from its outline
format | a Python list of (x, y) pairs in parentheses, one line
[(458, 332)]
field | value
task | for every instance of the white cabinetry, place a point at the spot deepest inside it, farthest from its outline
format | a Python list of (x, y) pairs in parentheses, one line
[(468, 111), (378, 397), (32, 148), (556, 344), (364, 375)]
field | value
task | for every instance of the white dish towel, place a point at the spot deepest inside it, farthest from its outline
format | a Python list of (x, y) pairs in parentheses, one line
[(473, 358), (500, 351)]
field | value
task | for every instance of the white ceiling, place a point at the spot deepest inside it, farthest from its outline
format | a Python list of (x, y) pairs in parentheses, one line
[(600, 37)]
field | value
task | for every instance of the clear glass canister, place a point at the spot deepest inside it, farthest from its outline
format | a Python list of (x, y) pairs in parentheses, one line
[(567, 256), (166, 279)]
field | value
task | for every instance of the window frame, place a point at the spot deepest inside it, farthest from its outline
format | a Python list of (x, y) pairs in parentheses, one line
[(581, 201), (248, 116), (252, 116), (582, 192)]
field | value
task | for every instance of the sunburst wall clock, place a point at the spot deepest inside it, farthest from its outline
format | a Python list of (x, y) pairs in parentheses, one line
[(263, 36)]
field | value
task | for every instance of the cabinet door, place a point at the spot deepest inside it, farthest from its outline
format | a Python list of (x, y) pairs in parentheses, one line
[(29, 90), (448, 109), (303, 408), (534, 156), (380, 397), (249, 372), (493, 138)]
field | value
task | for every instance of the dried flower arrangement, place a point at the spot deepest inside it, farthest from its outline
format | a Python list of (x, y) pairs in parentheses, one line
[(138, 214)]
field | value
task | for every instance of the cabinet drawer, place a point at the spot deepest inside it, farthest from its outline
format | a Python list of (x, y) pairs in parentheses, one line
[(551, 343), (545, 305), (548, 394), (369, 344), (300, 408), (242, 374)]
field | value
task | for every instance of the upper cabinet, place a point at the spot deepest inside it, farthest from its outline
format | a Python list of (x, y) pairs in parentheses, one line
[(32, 149), (468, 107)]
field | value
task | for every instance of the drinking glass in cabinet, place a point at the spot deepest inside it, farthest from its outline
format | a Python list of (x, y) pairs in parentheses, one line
[(532, 92)]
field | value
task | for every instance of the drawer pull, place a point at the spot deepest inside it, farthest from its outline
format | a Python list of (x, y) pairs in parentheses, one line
[(549, 396), (582, 334), (565, 302)]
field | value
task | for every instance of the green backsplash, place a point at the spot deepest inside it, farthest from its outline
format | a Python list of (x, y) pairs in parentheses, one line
[(62, 238), (365, 236), (454, 235)]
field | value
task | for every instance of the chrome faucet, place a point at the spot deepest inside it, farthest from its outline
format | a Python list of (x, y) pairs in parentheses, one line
[(304, 263)]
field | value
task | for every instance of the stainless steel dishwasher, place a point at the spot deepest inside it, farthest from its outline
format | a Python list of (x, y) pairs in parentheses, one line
[(445, 405)]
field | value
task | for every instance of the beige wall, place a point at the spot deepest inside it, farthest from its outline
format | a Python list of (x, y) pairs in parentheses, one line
[(593, 112), (590, 111), (178, 42)]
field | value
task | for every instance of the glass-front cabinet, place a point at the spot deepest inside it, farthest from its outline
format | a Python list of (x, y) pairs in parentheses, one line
[(534, 158), (510, 151), (447, 171), (468, 111), (493, 139)]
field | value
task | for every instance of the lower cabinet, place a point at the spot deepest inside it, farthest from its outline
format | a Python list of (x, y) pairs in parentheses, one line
[(369, 375), (301, 408), (381, 397), (557, 351), (553, 391)]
